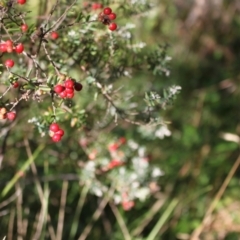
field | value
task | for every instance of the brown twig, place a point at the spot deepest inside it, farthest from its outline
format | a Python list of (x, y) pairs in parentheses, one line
[(62, 210), (97, 213), (207, 218)]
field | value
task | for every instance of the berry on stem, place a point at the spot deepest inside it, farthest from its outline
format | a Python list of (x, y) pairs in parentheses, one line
[(107, 10), (112, 16), (54, 35), (96, 6), (59, 88), (78, 86), (24, 27), (9, 63), (15, 84), (112, 26), (63, 94), (9, 45), (69, 90), (11, 116), (54, 127), (3, 110), (69, 83), (3, 47), (19, 48), (70, 95), (56, 137), (60, 132), (21, 1)]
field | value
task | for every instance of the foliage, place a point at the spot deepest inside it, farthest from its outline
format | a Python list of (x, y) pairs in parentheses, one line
[(135, 162)]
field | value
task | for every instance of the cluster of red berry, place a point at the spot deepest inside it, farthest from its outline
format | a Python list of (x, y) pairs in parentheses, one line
[(114, 163), (116, 155), (114, 146), (66, 90), (8, 47), (106, 17), (4, 114), (55, 132)]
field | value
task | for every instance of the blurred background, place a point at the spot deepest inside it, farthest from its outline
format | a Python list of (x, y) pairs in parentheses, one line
[(197, 155)]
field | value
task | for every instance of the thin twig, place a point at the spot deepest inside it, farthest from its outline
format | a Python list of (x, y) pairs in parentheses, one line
[(97, 213), (120, 221), (62, 210), (11, 224), (19, 213), (195, 235), (80, 204)]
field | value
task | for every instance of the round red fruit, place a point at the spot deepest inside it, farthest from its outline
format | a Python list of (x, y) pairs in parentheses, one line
[(63, 94), (21, 1), (54, 127), (60, 132), (9, 63), (59, 88), (19, 48), (69, 90), (107, 10), (69, 83), (78, 86), (112, 16), (54, 35), (56, 137), (70, 95), (122, 140), (24, 27), (11, 116), (96, 6), (9, 45), (15, 85), (3, 47), (112, 26)]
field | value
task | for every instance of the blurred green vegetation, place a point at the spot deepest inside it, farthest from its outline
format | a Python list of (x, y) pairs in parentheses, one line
[(197, 157)]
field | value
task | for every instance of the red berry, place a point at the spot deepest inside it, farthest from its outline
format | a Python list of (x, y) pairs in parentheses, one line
[(96, 6), (122, 140), (69, 83), (114, 163), (54, 127), (60, 132), (21, 1), (112, 16), (127, 205), (24, 27), (19, 48), (9, 45), (63, 94), (3, 47), (59, 88), (15, 84), (112, 26), (70, 95), (69, 90), (54, 35), (107, 10), (78, 86), (113, 147), (9, 63), (56, 137), (11, 116)]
